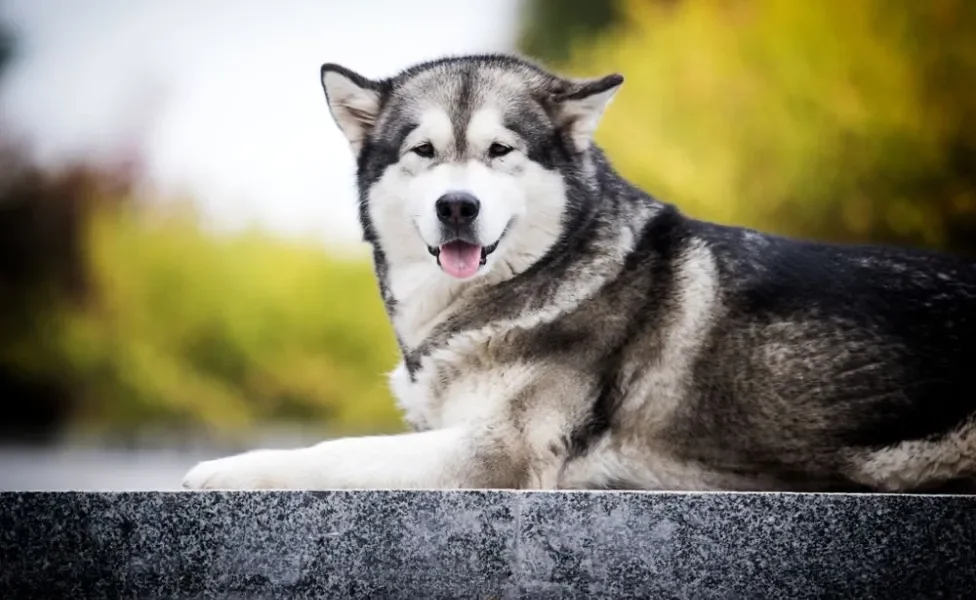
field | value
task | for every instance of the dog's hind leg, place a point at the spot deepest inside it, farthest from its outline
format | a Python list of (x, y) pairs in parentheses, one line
[(943, 464)]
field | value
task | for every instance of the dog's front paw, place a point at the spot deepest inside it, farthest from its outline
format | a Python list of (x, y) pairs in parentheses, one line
[(261, 469)]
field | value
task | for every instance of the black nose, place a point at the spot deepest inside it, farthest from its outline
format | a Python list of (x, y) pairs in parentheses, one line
[(457, 208)]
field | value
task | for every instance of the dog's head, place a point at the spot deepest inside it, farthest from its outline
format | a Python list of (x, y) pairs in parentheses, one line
[(467, 163)]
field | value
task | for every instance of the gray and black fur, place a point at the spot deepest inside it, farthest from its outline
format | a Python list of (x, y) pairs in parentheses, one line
[(638, 347)]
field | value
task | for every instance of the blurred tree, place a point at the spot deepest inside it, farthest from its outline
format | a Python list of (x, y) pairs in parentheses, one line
[(6, 49), (552, 27), (833, 120), (42, 217), (32, 407)]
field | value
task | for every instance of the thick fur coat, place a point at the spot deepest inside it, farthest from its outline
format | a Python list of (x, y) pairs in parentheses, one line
[(561, 328)]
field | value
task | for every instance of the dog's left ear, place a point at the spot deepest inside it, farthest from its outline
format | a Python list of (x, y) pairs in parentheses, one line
[(580, 107), (354, 102)]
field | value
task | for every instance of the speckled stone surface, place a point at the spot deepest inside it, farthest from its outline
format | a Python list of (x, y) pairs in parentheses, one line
[(421, 545)]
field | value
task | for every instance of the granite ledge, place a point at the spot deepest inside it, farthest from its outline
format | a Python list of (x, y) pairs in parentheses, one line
[(485, 544)]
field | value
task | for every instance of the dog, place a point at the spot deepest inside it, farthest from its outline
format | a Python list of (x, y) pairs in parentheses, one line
[(562, 329)]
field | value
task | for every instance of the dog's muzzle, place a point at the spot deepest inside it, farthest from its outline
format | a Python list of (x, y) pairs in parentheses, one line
[(462, 255)]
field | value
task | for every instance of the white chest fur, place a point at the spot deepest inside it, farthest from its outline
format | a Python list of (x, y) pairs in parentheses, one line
[(479, 391), (411, 398)]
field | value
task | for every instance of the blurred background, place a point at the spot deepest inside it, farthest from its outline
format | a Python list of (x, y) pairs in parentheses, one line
[(181, 274)]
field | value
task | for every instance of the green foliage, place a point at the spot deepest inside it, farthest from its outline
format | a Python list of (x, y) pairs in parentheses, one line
[(552, 27), (185, 327), (847, 121)]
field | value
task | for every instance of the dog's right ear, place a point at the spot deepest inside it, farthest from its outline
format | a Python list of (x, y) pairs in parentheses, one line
[(354, 102)]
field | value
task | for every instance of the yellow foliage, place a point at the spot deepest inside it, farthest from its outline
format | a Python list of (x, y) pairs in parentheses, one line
[(819, 119)]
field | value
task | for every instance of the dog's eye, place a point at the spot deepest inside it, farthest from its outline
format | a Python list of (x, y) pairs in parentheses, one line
[(425, 150), (497, 150)]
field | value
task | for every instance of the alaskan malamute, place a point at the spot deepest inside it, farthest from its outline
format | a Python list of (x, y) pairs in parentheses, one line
[(560, 328)]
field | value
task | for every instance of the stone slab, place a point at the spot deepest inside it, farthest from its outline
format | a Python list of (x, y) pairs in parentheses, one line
[(485, 544)]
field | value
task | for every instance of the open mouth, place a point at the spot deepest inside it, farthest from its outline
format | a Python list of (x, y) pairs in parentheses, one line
[(461, 259)]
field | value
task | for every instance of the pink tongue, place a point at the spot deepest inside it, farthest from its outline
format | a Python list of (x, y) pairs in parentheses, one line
[(460, 259)]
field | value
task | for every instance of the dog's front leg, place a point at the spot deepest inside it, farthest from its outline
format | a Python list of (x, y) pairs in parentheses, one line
[(440, 458)]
